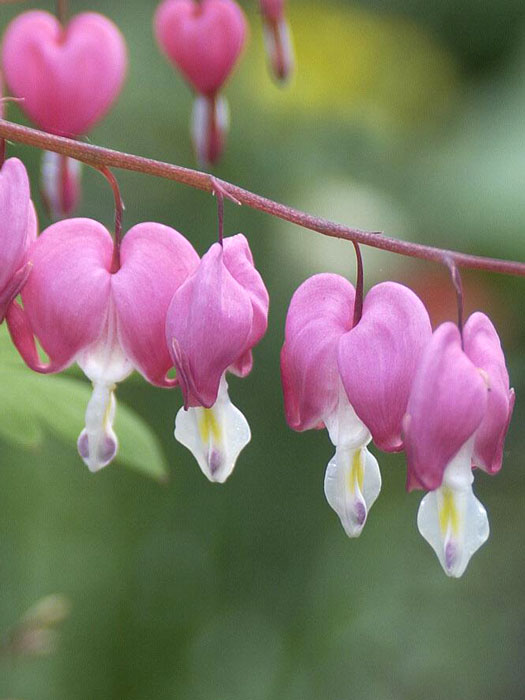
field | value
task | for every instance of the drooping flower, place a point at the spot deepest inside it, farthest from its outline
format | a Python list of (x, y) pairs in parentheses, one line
[(204, 40), (108, 322), (353, 380), (277, 38), (17, 231), (68, 77), (457, 417), (215, 319)]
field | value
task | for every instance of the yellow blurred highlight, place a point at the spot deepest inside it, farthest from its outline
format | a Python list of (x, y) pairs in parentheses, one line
[(352, 64)]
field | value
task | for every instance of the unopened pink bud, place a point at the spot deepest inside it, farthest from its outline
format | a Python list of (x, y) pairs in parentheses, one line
[(68, 77), (60, 181), (203, 39), (277, 39), (210, 121)]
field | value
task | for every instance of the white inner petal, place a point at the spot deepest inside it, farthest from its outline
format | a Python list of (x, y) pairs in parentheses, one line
[(352, 480), (215, 435), (105, 364), (352, 484), (97, 443), (105, 361), (451, 518), (343, 425)]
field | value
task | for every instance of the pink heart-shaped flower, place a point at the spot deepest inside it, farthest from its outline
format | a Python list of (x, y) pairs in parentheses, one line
[(204, 39), (68, 77)]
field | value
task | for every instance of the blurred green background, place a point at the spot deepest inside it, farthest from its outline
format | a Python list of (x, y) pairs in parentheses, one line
[(404, 116)]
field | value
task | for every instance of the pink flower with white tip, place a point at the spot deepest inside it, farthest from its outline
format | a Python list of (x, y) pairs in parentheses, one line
[(215, 319), (18, 229), (457, 417), (68, 78), (277, 38), (110, 321), (353, 380), (204, 40)]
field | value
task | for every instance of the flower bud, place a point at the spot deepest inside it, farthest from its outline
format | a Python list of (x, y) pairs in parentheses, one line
[(277, 39), (61, 184), (204, 41)]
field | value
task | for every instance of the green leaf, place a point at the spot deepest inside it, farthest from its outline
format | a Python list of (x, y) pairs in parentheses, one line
[(34, 402)]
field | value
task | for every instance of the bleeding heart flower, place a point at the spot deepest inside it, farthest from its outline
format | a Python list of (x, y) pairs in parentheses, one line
[(18, 229), (215, 319), (109, 323), (458, 415), (68, 78), (277, 38), (204, 40), (353, 380)]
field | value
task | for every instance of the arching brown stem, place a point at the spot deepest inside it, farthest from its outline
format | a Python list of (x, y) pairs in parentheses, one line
[(97, 157), (359, 285), (62, 11), (119, 209), (457, 283)]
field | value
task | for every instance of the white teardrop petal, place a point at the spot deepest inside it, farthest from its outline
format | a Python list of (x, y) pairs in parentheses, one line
[(451, 518), (344, 426), (352, 484), (97, 443), (215, 436)]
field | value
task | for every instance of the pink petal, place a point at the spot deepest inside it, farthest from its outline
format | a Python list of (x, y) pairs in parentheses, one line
[(210, 123), (378, 359), (204, 39), (67, 295), (446, 406), (60, 184), (320, 312), (155, 261), (17, 221), (208, 327), (483, 348), (239, 261), (68, 77)]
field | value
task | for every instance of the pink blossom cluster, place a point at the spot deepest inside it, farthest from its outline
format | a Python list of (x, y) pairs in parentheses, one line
[(161, 308), (442, 396), (152, 305), (68, 76)]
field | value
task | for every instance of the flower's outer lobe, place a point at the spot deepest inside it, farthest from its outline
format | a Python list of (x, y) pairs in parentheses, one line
[(215, 319)]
